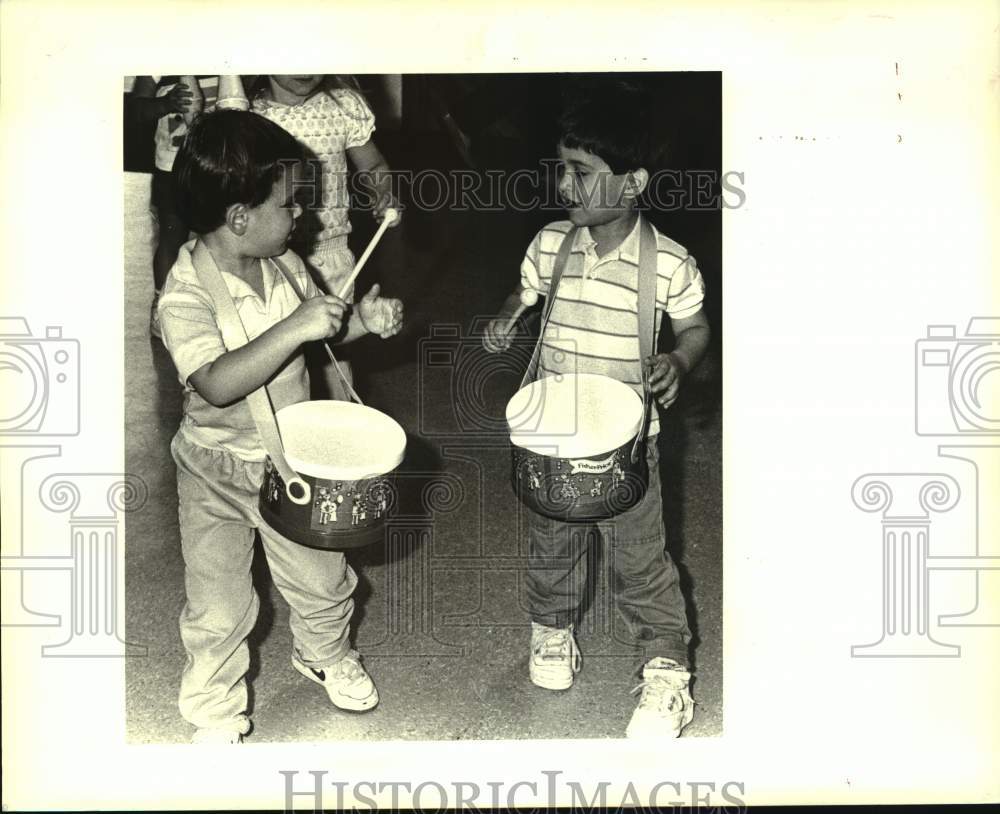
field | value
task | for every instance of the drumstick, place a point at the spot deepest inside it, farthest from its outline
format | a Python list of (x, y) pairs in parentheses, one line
[(528, 298), (388, 218)]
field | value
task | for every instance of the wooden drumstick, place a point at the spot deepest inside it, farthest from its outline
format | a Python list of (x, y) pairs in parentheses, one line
[(388, 219), (528, 298)]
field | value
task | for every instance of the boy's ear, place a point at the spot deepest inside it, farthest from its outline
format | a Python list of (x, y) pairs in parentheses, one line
[(635, 182), (236, 218)]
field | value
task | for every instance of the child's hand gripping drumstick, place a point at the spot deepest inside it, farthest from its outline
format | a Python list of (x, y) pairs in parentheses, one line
[(528, 298), (390, 217)]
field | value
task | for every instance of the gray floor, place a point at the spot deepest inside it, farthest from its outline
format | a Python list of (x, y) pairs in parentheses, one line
[(440, 619)]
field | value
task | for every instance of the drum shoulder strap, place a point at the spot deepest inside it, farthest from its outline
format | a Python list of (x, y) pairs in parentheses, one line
[(562, 258), (646, 304), (646, 314), (234, 336)]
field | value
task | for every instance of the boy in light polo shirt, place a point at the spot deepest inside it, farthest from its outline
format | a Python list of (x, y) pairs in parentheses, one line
[(236, 175), (593, 328)]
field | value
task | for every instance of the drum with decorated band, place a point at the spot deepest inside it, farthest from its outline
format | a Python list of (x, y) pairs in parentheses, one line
[(344, 455), (577, 446)]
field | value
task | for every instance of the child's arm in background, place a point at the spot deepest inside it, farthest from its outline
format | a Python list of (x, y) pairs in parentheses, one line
[(237, 373), (373, 173), (145, 106), (667, 370)]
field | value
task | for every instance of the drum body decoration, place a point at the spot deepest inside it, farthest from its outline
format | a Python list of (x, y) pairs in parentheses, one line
[(576, 447), (345, 453)]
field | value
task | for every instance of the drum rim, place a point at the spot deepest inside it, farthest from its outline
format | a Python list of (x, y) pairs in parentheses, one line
[(568, 446), (377, 469)]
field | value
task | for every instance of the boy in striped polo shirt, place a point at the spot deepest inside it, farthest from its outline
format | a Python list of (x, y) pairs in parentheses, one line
[(593, 328)]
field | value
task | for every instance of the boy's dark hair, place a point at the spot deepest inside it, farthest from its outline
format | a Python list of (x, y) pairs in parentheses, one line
[(611, 119), (229, 157)]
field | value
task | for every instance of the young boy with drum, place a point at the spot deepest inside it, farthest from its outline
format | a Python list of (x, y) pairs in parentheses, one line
[(236, 176), (592, 326)]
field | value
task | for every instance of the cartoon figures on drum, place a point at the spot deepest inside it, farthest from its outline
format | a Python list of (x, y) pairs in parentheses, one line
[(617, 474), (567, 491), (598, 488), (273, 482), (327, 502), (533, 480), (378, 496), (358, 512)]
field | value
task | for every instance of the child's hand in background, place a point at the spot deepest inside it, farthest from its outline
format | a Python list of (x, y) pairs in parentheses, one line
[(665, 373), (496, 339), (381, 315), (179, 99), (318, 317)]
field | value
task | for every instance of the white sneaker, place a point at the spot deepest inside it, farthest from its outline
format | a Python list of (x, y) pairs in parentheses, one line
[(346, 682), (217, 737), (665, 706), (555, 658)]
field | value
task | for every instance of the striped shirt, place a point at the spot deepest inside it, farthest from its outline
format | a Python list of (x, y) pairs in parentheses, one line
[(192, 335), (171, 129), (594, 323)]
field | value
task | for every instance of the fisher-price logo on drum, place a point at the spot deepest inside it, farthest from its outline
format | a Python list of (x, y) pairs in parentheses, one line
[(40, 380)]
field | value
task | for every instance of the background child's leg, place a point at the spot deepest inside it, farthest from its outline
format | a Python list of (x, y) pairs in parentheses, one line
[(646, 585), (172, 234), (221, 608), (317, 586), (557, 570)]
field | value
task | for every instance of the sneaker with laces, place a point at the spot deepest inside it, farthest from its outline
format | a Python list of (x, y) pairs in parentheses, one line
[(665, 706), (555, 658), (350, 688), (217, 737)]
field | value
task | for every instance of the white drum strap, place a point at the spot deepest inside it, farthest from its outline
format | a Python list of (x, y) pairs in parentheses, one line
[(234, 336), (347, 392), (557, 269), (646, 306)]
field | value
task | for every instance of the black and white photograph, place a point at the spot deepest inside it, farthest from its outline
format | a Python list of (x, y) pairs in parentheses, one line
[(484, 319), (570, 405)]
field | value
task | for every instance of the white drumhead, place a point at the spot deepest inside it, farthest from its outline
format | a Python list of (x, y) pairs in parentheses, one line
[(574, 415), (340, 440)]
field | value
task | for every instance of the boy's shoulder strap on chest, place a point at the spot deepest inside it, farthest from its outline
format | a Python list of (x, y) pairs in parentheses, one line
[(234, 336), (562, 257), (646, 298)]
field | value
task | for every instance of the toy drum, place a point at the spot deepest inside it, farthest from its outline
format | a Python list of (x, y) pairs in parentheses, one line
[(344, 454), (576, 446)]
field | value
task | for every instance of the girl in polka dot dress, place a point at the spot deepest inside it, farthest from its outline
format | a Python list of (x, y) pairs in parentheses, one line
[(334, 124)]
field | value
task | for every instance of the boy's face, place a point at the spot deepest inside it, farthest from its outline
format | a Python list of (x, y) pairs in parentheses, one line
[(592, 193), (270, 225)]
